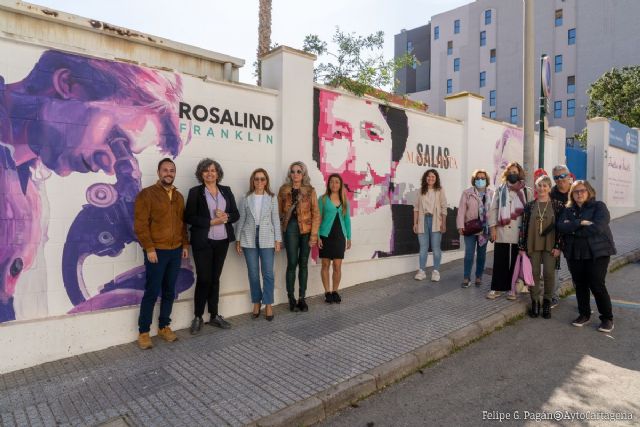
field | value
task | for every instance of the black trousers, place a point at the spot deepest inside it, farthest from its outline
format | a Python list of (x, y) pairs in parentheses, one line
[(504, 262), (589, 276), (209, 262)]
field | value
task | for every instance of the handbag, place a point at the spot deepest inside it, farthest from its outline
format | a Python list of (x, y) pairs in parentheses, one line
[(472, 227)]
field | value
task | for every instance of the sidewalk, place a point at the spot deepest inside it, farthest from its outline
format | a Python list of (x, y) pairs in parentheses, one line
[(294, 370)]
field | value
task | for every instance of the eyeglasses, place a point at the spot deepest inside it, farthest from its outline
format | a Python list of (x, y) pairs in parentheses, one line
[(561, 176), (259, 178), (580, 191), (296, 172)]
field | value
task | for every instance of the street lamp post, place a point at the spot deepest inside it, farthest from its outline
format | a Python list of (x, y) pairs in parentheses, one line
[(529, 90)]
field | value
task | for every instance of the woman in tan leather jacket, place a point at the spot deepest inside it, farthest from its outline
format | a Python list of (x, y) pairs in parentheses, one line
[(300, 216)]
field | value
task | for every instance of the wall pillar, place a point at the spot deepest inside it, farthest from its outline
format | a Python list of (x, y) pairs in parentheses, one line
[(290, 71)]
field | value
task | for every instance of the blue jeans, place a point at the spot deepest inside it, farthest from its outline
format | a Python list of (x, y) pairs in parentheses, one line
[(160, 281), (260, 259), (470, 244), (433, 237)]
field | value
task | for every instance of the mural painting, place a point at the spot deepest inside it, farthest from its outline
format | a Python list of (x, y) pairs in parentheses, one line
[(78, 115)]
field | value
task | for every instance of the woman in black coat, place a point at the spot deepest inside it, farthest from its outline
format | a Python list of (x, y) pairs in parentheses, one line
[(588, 246), (210, 211)]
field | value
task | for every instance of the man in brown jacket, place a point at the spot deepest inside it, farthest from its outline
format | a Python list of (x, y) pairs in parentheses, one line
[(158, 224)]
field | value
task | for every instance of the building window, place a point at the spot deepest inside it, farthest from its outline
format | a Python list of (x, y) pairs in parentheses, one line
[(571, 107), (436, 32), (492, 98), (483, 38), (449, 85), (492, 114), (456, 64), (513, 119), (559, 18), (570, 141), (572, 36), (557, 109), (409, 46), (558, 63), (571, 84), (483, 78), (449, 47), (456, 26), (492, 56), (487, 17)]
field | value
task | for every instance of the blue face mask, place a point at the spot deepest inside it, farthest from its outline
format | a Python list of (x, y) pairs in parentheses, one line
[(481, 183)]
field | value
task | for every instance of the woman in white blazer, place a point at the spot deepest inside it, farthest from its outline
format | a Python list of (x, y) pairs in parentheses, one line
[(259, 236)]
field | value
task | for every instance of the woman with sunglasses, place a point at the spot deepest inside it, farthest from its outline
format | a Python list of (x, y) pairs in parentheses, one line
[(588, 246), (259, 237), (334, 235), (300, 218)]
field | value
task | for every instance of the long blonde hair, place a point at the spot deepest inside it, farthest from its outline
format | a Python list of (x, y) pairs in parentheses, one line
[(305, 173)]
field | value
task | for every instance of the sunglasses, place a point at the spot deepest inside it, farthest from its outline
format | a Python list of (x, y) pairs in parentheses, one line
[(259, 178), (296, 172), (561, 176)]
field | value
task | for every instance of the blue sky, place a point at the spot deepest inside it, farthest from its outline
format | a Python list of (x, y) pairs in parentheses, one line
[(231, 27)]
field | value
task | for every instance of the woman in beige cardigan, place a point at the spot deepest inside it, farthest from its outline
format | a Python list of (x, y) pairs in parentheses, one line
[(429, 222)]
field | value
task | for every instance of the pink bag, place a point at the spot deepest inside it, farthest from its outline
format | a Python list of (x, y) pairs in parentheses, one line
[(522, 270)]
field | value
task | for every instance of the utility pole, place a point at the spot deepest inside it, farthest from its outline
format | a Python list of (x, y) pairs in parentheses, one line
[(529, 91), (545, 92)]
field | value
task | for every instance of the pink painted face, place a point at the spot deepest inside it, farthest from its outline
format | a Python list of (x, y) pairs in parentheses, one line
[(355, 141)]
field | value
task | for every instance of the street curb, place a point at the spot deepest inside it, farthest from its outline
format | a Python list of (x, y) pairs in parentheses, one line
[(304, 412), (318, 407)]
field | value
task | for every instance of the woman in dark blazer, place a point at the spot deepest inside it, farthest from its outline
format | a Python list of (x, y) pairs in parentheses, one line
[(588, 246), (210, 211)]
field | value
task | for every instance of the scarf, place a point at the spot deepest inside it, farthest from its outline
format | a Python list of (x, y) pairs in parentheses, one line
[(483, 216), (510, 211)]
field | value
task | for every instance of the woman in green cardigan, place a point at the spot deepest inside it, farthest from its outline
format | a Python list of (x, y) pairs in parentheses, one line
[(334, 236)]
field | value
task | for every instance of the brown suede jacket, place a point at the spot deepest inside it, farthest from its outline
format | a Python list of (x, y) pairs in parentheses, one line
[(158, 220), (307, 210)]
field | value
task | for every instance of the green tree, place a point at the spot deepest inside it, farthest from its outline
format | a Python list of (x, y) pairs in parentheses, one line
[(357, 64), (616, 95)]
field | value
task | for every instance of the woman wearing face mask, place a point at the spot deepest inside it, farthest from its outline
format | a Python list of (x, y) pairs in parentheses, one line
[(473, 223), (541, 242), (505, 219)]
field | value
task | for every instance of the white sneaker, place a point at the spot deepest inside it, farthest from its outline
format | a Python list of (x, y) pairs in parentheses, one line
[(435, 276), (420, 275)]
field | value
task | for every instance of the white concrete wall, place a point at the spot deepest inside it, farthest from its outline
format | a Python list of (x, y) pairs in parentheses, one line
[(47, 325), (613, 172)]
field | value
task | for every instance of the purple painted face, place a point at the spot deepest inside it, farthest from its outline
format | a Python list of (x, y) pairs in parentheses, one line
[(86, 130)]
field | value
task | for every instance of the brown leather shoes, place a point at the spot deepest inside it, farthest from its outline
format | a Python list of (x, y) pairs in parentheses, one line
[(167, 334), (144, 341)]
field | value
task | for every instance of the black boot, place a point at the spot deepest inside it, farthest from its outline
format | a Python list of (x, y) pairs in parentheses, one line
[(302, 305), (328, 297), (546, 309), (292, 304), (535, 308)]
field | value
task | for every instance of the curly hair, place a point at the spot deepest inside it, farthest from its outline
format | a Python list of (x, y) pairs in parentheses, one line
[(203, 165), (423, 182)]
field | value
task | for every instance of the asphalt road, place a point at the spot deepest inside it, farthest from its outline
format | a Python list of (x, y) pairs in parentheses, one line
[(529, 370)]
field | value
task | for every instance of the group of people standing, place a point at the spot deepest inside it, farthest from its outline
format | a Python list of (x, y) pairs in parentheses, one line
[(565, 217), (262, 220), (562, 218)]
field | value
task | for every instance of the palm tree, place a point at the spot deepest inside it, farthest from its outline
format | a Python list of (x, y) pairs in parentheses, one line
[(264, 34)]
